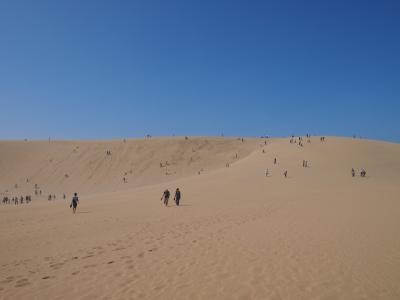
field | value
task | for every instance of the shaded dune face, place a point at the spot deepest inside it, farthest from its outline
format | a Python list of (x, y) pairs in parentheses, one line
[(318, 233)]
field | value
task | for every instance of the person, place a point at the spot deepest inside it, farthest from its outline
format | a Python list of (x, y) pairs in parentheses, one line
[(353, 173), (274, 161), (285, 173), (165, 196), (363, 173), (177, 197), (74, 202), (266, 173)]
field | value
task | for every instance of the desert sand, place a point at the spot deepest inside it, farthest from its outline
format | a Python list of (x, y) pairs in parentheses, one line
[(317, 234)]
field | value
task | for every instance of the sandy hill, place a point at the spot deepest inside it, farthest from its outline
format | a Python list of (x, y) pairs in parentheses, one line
[(239, 234), (59, 167)]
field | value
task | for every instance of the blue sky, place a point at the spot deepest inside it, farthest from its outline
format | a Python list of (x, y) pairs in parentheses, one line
[(112, 69)]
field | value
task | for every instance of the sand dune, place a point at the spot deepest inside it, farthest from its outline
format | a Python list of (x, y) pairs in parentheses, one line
[(63, 167), (317, 234)]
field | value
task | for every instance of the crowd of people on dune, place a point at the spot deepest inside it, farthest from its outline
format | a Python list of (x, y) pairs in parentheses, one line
[(166, 194), (17, 200), (363, 173)]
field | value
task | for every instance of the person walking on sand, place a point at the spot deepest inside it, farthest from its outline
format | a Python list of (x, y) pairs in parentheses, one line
[(353, 173), (74, 202), (165, 196), (285, 173), (177, 197)]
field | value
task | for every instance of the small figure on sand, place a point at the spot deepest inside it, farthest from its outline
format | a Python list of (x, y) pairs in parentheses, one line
[(353, 173), (74, 202), (165, 196), (363, 173), (266, 173), (275, 161), (177, 197), (285, 173)]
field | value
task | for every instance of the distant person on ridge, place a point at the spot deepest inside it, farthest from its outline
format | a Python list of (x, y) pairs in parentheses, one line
[(74, 202), (177, 197), (165, 196)]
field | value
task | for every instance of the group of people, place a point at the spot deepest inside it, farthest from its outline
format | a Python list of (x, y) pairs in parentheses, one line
[(16, 200), (363, 173), (166, 194), (53, 197)]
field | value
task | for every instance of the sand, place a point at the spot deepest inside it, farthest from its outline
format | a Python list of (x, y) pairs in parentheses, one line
[(317, 234)]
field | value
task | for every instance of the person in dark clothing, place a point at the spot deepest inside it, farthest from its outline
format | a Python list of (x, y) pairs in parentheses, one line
[(353, 173), (165, 196), (177, 197), (74, 202)]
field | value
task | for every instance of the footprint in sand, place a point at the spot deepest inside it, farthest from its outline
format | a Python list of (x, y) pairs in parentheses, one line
[(75, 273), (89, 266), (56, 266), (7, 280), (119, 248), (110, 262), (22, 282)]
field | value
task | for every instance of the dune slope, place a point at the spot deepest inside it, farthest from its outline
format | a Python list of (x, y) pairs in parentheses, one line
[(317, 234)]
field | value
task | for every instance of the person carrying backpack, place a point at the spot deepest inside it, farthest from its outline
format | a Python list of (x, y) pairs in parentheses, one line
[(165, 196)]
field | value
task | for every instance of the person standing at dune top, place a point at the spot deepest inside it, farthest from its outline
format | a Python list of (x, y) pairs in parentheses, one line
[(177, 197), (74, 202)]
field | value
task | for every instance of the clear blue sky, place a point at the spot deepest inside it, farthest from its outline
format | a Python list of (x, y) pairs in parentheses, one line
[(111, 69)]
